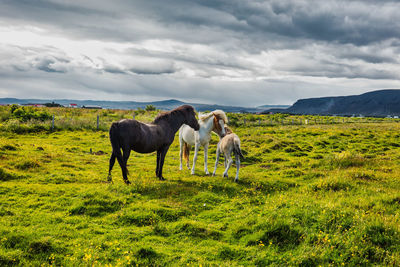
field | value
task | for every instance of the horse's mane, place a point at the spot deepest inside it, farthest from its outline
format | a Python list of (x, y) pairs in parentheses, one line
[(168, 114), (217, 112)]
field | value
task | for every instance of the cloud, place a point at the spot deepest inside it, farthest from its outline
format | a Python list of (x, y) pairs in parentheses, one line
[(227, 51)]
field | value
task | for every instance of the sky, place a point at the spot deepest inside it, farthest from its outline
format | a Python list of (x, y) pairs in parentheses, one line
[(229, 52)]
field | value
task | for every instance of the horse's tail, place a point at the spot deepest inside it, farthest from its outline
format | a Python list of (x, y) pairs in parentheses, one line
[(236, 148), (186, 151), (116, 148)]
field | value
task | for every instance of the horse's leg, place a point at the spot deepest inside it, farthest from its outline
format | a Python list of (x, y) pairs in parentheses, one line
[(180, 151), (125, 157), (237, 167), (188, 152), (158, 162), (205, 159), (112, 161), (162, 157), (196, 151), (229, 159), (216, 161)]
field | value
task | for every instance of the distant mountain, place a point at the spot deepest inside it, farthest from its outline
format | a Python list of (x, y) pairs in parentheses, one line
[(377, 103), (163, 105), (273, 106)]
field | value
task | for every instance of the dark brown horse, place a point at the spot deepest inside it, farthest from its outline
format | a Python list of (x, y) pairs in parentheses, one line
[(146, 138)]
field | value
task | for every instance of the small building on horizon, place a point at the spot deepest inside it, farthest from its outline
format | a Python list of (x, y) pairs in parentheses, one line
[(91, 107)]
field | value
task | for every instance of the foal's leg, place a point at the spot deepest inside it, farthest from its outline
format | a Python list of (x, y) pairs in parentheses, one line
[(196, 151), (229, 159), (237, 157), (205, 159), (216, 161), (112, 161)]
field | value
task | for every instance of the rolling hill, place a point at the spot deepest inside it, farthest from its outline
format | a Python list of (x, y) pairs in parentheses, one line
[(377, 103), (163, 105)]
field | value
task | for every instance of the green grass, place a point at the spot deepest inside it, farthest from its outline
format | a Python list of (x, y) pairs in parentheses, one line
[(307, 195)]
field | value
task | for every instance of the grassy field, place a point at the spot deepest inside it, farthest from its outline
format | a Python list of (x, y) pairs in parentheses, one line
[(307, 195)]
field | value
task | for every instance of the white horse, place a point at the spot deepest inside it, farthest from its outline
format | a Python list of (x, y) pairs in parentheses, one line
[(228, 144), (213, 121)]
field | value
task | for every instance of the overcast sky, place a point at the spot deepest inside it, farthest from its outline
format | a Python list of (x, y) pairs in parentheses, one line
[(231, 52)]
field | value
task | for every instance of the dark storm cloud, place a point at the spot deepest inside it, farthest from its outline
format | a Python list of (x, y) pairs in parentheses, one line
[(196, 49), (341, 21)]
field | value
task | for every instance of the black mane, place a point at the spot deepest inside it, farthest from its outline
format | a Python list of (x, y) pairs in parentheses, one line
[(168, 114)]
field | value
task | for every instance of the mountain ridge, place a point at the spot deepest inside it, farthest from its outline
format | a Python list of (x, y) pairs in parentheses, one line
[(377, 103), (167, 104)]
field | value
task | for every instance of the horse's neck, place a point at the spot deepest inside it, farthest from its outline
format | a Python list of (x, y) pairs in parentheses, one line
[(207, 125), (173, 124)]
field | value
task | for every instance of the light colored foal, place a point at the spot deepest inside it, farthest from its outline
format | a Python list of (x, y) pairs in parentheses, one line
[(228, 144)]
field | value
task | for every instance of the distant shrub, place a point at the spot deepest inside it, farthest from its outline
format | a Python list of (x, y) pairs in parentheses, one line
[(25, 114), (139, 111), (233, 119), (150, 108)]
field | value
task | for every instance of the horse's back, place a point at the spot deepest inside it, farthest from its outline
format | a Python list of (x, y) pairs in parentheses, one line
[(227, 143), (186, 133)]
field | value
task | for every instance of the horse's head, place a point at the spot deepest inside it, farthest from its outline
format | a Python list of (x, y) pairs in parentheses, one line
[(190, 118), (219, 124), (227, 130)]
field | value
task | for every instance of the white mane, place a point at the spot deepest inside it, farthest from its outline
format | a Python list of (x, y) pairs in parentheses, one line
[(217, 112)]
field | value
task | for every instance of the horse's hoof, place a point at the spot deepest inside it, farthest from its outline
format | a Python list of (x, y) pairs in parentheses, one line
[(236, 180), (162, 178), (225, 175), (127, 182)]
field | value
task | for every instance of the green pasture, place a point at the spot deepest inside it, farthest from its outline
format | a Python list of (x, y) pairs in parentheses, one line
[(309, 195)]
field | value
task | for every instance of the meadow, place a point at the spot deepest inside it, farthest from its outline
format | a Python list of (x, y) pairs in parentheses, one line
[(318, 194)]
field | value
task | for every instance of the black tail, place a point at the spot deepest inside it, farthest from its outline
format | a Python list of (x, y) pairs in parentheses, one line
[(116, 149)]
